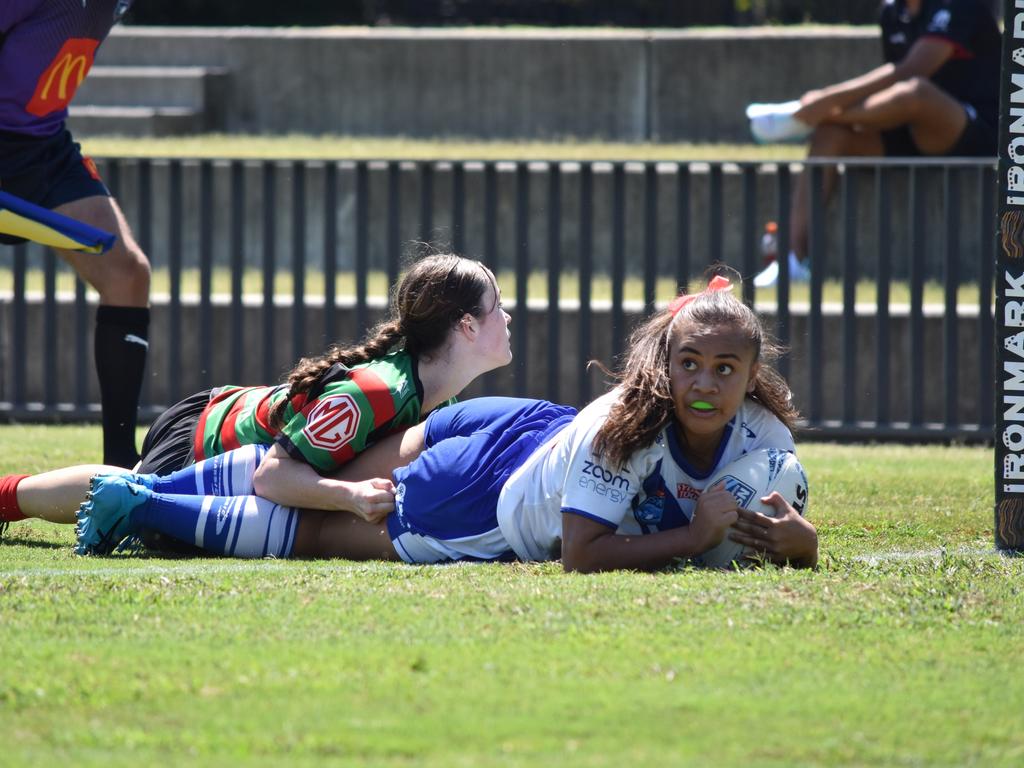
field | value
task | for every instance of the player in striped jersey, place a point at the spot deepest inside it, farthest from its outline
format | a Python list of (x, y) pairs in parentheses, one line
[(623, 484), (447, 327)]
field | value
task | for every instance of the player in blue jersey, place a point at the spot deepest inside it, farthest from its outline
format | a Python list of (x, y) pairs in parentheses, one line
[(46, 49), (622, 484)]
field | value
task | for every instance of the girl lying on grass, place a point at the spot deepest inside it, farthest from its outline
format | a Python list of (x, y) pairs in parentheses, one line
[(447, 327), (622, 484)]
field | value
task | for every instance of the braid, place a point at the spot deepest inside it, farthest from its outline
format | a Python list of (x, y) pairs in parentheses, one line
[(304, 376), (428, 302)]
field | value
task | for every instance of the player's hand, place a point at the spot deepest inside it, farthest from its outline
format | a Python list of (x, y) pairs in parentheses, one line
[(372, 500), (716, 510), (787, 537)]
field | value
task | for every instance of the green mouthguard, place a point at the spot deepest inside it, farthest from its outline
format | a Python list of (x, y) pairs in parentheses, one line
[(701, 405)]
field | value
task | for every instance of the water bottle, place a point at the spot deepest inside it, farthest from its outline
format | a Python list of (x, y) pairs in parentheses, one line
[(770, 243)]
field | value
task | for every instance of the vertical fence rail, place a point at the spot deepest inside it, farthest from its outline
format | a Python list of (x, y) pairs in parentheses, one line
[(205, 271), (144, 236), (520, 337), (362, 245), (986, 325), (849, 275), (650, 235), (749, 250), (330, 252), (237, 260), (917, 251), (50, 330), (298, 221), (554, 340), (950, 320), (174, 256), (490, 225), (586, 241), (817, 251), (784, 329), (618, 270), (19, 329), (269, 264), (883, 266), (682, 226)]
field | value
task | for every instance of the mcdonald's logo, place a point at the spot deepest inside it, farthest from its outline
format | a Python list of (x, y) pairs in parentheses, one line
[(58, 83)]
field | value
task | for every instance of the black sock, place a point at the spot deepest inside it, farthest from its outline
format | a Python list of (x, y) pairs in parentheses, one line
[(122, 335)]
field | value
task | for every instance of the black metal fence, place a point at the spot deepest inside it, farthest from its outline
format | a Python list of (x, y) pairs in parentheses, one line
[(259, 262)]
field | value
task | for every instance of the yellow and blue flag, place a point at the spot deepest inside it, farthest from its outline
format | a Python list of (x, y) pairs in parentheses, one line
[(21, 218)]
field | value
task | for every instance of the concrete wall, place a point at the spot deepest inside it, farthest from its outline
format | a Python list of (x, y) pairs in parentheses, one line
[(279, 355), (621, 86)]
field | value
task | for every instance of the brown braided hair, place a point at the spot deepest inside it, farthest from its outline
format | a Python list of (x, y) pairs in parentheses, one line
[(430, 300), (645, 404)]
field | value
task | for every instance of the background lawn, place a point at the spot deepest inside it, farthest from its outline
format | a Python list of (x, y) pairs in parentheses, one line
[(904, 648)]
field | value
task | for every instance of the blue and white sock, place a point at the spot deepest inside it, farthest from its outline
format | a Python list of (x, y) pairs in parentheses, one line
[(236, 526), (229, 474)]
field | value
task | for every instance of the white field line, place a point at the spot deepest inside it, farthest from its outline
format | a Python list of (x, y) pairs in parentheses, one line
[(185, 568), (926, 554)]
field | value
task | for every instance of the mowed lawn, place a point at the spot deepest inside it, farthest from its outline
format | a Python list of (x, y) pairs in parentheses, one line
[(904, 648)]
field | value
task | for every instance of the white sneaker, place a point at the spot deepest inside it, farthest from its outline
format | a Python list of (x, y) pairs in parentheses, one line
[(769, 276), (771, 123)]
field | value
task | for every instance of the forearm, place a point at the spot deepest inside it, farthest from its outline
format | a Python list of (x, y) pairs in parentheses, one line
[(294, 484), (631, 552)]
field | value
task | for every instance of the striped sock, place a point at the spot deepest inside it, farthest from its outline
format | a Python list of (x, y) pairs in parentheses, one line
[(236, 526), (229, 474)]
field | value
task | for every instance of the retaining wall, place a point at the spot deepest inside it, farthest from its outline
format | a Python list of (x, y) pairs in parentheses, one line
[(491, 84)]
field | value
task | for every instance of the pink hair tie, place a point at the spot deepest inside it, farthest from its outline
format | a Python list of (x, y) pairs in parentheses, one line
[(718, 283)]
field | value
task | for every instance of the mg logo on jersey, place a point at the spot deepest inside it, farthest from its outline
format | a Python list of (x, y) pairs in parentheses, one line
[(332, 422), (58, 83)]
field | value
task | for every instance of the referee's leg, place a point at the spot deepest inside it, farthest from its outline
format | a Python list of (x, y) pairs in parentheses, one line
[(121, 277)]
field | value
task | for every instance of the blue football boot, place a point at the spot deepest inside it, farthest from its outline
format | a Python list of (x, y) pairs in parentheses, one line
[(105, 518)]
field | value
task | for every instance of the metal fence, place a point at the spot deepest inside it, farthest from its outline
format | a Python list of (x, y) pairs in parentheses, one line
[(260, 262)]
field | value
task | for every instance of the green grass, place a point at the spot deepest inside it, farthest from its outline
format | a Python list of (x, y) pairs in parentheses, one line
[(877, 658), (304, 146)]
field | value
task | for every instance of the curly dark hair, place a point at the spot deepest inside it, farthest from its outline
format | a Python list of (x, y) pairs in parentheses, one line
[(645, 405)]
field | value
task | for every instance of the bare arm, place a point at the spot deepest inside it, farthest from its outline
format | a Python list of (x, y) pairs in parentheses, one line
[(923, 59), (283, 480), (589, 546)]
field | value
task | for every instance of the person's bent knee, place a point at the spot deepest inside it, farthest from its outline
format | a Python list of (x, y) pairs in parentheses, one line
[(125, 279)]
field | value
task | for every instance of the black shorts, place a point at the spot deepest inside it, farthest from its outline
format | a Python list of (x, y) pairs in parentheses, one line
[(169, 443), (979, 139), (48, 171)]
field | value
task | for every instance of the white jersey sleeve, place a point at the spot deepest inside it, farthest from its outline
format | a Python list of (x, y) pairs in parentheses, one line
[(593, 489)]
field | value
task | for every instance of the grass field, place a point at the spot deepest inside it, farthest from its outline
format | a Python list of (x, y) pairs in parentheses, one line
[(903, 649)]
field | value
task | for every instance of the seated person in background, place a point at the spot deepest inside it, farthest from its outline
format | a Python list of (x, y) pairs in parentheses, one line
[(937, 94)]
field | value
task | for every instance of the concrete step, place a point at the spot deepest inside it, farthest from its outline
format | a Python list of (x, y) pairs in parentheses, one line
[(187, 87), (87, 120)]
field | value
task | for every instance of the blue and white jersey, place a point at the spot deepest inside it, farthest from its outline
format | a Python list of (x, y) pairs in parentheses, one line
[(655, 491)]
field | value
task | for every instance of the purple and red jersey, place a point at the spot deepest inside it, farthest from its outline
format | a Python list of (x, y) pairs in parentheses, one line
[(346, 411), (47, 47)]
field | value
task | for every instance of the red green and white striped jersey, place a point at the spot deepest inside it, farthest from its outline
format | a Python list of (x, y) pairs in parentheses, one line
[(343, 414)]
